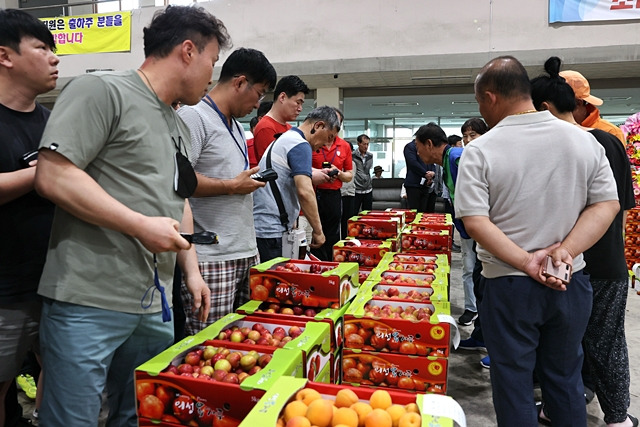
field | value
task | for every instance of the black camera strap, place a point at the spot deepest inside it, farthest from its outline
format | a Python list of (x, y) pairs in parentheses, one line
[(284, 218)]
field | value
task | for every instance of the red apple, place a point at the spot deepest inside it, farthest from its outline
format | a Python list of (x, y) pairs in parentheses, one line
[(184, 408), (151, 407), (295, 331)]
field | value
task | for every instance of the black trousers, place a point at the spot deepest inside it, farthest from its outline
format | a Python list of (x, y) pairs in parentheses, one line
[(363, 202), (330, 210), (420, 199), (348, 210)]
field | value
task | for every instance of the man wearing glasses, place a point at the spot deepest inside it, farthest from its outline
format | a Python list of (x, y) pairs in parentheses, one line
[(223, 201)]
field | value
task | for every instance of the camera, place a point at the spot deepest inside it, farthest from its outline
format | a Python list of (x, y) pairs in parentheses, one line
[(265, 175)]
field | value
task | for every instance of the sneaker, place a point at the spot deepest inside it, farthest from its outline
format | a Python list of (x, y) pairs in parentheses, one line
[(467, 317), (485, 362), (471, 344), (28, 385), (455, 248)]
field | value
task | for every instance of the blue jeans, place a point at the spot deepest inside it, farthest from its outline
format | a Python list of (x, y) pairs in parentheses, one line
[(529, 326), (468, 263), (84, 350)]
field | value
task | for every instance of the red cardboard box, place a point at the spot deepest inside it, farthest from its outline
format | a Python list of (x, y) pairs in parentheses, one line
[(375, 325), (333, 317), (409, 214), (367, 253), (387, 214), (301, 282), (439, 240), (373, 227), (168, 397), (409, 373), (314, 342), (406, 293)]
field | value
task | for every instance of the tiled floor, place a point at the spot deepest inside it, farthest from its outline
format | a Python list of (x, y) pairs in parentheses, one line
[(469, 383)]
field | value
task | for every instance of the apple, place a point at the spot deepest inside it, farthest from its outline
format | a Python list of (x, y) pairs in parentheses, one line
[(207, 370), (185, 368), (234, 359), (254, 370), (219, 374), (295, 331), (258, 327), (287, 310), (222, 364), (172, 369), (264, 359), (192, 358), (248, 361), (237, 336), (298, 311), (310, 312), (242, 376), (254, 335), (209, 352)]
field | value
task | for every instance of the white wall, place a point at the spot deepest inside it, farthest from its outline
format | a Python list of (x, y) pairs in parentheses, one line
[(337, 36)]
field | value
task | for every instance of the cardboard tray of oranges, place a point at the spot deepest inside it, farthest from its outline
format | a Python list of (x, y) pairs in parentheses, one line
[(298, 403)]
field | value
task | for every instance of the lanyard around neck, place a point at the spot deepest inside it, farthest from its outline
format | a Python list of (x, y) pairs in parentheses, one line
[(335, 152), (244, 151)]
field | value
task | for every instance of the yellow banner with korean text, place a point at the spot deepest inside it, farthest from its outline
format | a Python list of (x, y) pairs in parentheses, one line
[(102, 32)]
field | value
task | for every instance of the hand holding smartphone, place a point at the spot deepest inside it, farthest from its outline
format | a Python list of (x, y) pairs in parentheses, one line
[(562, 273), (265, 175)]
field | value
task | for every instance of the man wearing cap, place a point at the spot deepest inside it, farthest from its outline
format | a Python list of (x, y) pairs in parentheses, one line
[(586, 112)]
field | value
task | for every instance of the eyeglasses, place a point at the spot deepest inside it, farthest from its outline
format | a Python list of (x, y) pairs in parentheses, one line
[(260, 95)]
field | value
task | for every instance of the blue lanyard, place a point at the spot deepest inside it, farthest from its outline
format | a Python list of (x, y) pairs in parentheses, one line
[(244, 151), (166, 310), (325, 156)]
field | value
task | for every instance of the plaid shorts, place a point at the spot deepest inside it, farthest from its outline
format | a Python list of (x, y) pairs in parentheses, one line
[(229, 284)]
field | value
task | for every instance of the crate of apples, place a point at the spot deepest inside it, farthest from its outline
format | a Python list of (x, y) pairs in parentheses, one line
[(410, 328), (367, 253), (305, 283), (409, 214), (409, 293), (312, 339), (192, 382), (425, 240), (413, 374), (379, 228), (297, 313), (384, 215)]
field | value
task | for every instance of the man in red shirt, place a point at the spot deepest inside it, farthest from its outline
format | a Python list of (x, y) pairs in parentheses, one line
[(288, 98), (335, 156)]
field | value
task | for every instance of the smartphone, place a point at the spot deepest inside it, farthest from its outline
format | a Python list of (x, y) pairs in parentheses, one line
[(562, 273), (265, 175), (29, 157), (333, 172)]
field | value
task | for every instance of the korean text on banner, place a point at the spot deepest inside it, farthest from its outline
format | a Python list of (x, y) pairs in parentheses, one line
[(103, 32), (593, 10)]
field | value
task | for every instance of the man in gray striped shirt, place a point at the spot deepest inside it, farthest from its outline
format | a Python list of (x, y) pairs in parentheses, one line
[(223, 201)]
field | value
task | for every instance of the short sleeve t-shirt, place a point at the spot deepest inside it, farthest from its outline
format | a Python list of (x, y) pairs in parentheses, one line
[(339, 155), (25, 222), (265, 133), (290, 156), (123, 138)]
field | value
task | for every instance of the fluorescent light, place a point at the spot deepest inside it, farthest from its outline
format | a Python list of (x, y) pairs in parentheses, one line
[(463, 102), (402, 114), (439, 77), (395, 104)]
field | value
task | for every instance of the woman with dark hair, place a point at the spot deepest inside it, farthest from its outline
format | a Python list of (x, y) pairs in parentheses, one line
[(604, 342)]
